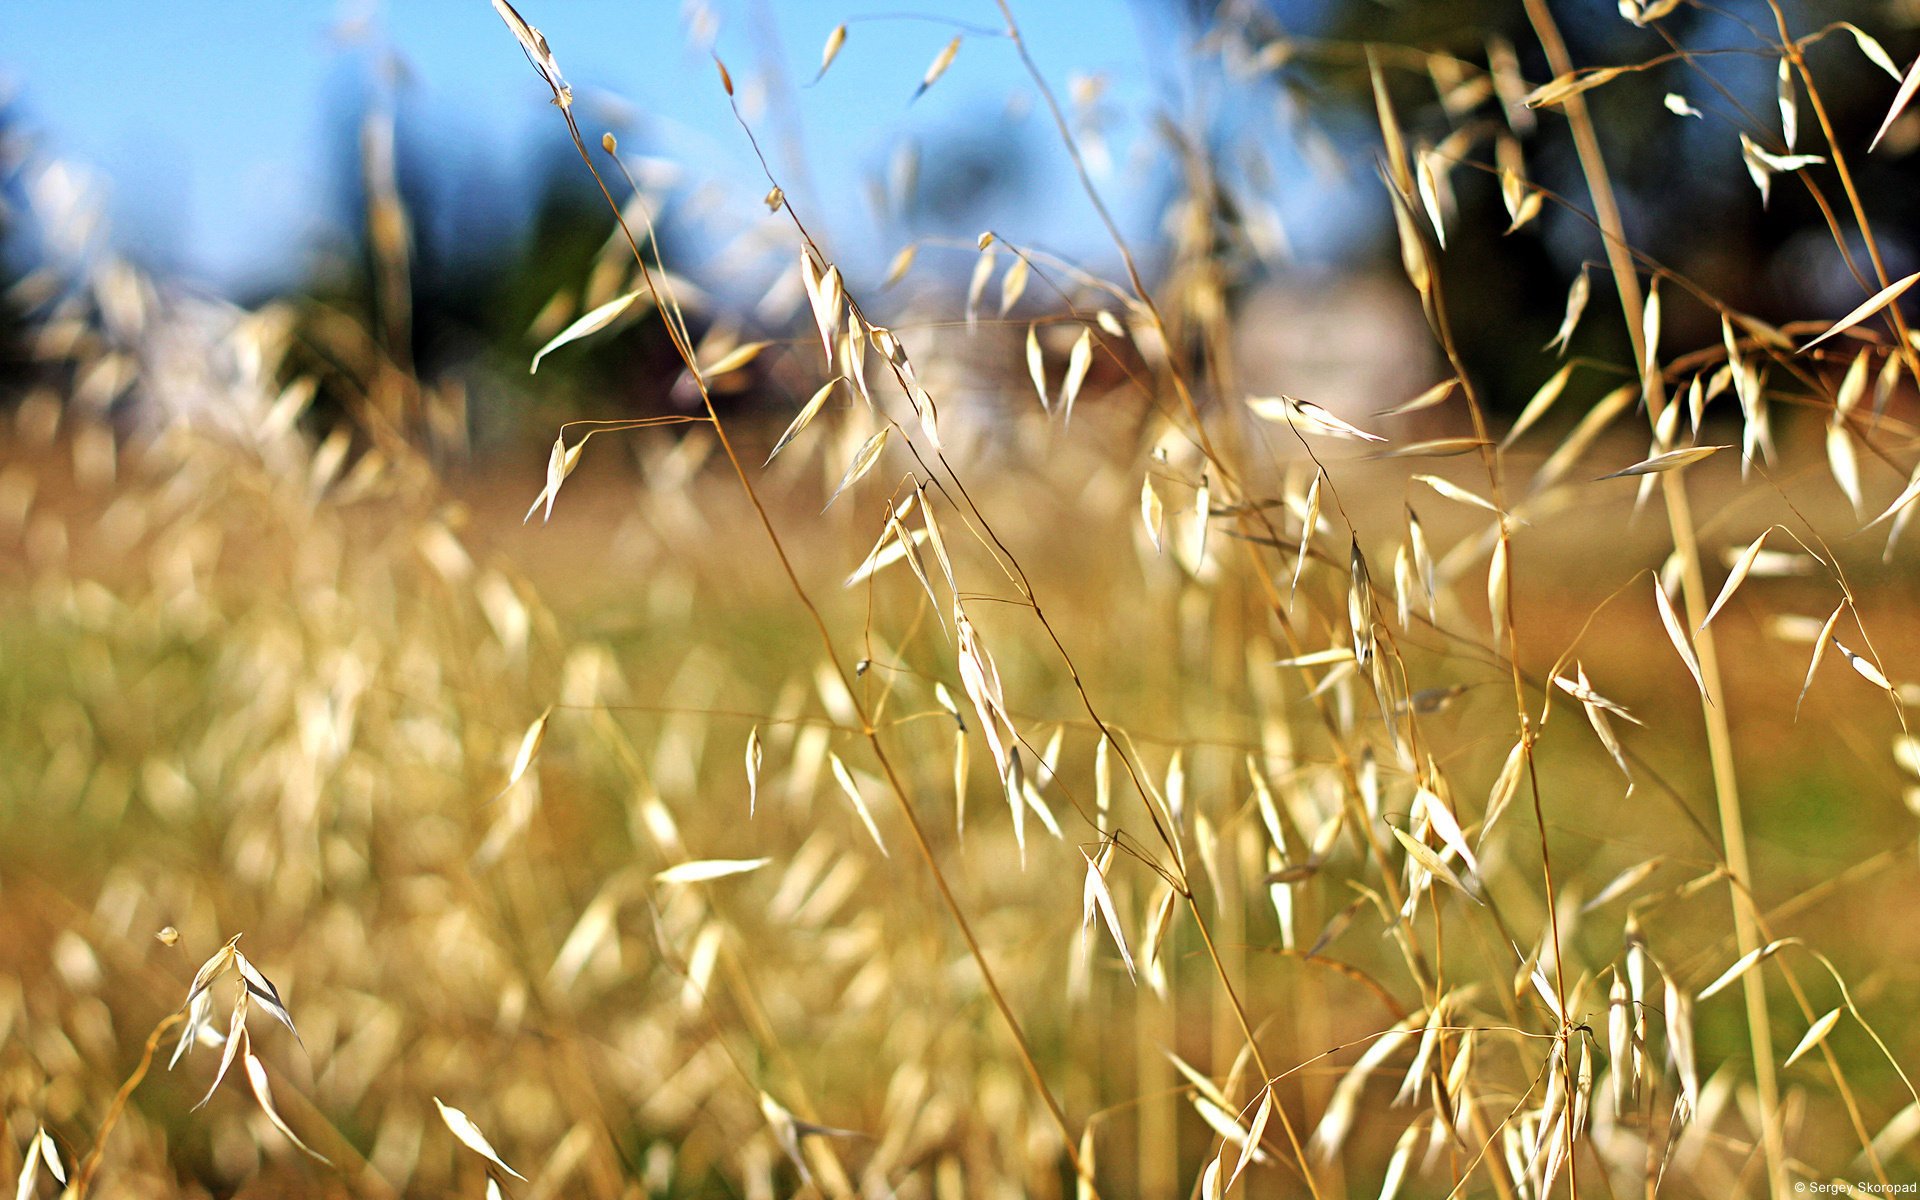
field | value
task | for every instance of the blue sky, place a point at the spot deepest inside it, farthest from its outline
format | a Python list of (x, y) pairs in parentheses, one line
[(209, 120)]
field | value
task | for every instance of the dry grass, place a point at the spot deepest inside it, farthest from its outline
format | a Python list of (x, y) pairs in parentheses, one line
[(1201, 793)]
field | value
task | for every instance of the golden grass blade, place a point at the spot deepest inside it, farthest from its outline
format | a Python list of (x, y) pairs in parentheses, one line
[(1095, 895), (1581, 689), (1202, 512), (1789, 104), (983, 265), (1413, 249), (1152, 513), (1676, 632), (1255, 1131), (923, 408), (1854, 386), (734, 359), (29, 1175), (1434, 193), (754, 755), (1037, 367), (938, 543), (1224, 1122), (1427, 399), (1416, 1076), (1871, 47), (1337, 1121), (1396, 146), (1672, 460), (1906, 497), (1425, 570), (1909, 83), (1306, 416), (1014, 782), (1430, 862), (199, 1021), (1403, 585), (1455, 492), (1317, 658), (1819, 648), (1650, 331), (1623, 883), (1014, 283), (901, 264), (808, 412), (1079, 361), (1211, 1187), (534, 45), (941, 62), (786, 1132), (1873, 304), (1398, 1161), (257, 1078), (1738, 575), (1543, 399), (845, 779), (863, 460), (1444, 823), (561, 461), (981, 681), (262, 989), (1603, 729), (1360, 610), (1679, 1021), (1546, 993), (592, 323), (236, 1038), (1816, 1034), (470, 1136), (1336, 926), (890, 549), (1309, 523), (835, 40), (706, 870), (529, 746), (828, 300), (1559, 91), (1843, 464), (960, 765), (1680, 106), (1741, 966), (213, 968), (1864, 667), (1159, 923), (1498, 598), (594, 929), (1584, 434), (49, 1154), (1578, 293), (1762, 164), (1626, 1074), (1434, 448), (1531, 205)]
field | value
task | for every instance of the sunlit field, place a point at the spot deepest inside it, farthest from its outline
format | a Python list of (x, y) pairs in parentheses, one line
[(979, 741)]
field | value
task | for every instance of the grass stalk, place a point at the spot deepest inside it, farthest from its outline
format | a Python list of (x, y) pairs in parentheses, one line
[(1686, 545)]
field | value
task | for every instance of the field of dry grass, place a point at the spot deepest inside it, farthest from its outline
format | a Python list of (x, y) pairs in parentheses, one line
[(1128, 789)]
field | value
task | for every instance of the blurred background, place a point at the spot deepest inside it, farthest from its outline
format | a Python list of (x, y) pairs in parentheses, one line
[(247, 153)]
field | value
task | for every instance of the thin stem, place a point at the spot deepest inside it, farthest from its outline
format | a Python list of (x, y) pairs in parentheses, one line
[(869, 730), (1693, 585), (83, 1178)]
